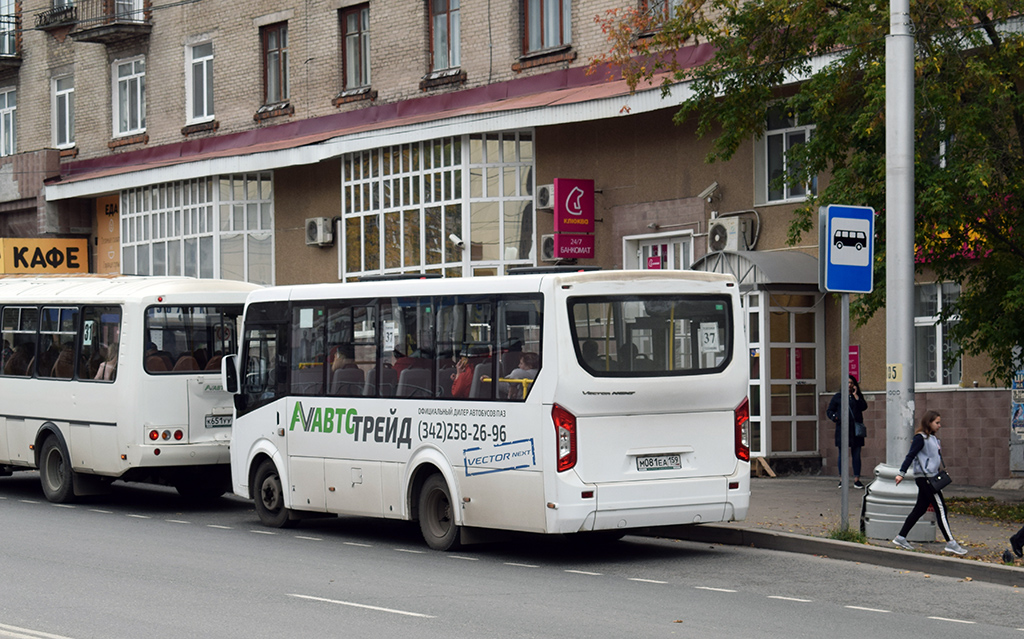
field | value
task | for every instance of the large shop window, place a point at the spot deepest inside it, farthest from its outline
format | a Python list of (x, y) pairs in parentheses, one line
[(931, 335), (209, 227), (402, 204)]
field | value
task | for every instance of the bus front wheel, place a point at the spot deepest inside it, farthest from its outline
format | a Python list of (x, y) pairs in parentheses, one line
[(55, 472), (437, 516), (270, 497)]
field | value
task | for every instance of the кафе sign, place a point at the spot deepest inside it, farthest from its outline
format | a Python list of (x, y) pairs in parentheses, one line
[(40, 256)]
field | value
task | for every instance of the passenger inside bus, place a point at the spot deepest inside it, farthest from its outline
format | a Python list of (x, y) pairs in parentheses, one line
[(529, 366), (108, 369), (64, 367), (462, 378)]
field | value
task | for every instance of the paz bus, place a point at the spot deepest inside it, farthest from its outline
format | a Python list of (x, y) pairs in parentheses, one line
[(583, 402), (107, 378)]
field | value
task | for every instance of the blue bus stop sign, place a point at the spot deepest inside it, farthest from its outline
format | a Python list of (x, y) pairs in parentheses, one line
[(846, 249)]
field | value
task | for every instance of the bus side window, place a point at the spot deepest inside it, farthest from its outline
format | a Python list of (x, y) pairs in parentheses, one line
[(263, 371), (99, 337), (19, 330), (519, 327)]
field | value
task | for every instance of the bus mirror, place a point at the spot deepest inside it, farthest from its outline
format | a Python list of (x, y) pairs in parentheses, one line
[(229, 373)]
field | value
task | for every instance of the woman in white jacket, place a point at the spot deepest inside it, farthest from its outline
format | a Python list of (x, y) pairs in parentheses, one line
[(926, 456)]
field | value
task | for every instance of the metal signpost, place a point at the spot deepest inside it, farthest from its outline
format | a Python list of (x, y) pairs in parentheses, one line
[(846, 249)]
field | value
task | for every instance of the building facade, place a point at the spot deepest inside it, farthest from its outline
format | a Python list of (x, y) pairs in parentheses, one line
[(284, 143)]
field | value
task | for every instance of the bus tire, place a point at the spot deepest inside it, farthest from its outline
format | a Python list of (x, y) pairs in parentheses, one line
[(55, 472), (269, 497), (437, 516)]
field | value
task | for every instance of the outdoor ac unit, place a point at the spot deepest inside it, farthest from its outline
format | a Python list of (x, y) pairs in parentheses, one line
[(319, 231), (547, 248), (546, 196), (727, 234)]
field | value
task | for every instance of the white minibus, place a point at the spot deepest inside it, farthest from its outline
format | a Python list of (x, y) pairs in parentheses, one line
[(542, 402)]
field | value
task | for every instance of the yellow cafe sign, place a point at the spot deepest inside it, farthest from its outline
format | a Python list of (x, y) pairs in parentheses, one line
[(41, 256)]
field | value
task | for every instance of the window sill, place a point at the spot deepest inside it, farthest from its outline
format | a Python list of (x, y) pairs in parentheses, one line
[(541, 58), (354, 95), (268, 111), (128, 140), (200, 127), (442, 78)]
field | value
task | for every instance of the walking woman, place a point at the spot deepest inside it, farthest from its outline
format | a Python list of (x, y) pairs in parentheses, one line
[(926, 455)]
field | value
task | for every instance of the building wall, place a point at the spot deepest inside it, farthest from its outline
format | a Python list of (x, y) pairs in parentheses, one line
[(300, 193)]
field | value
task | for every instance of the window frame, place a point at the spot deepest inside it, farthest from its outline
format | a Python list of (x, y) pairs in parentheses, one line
[(8, 28), (275, 59), (9, 121), (205, 66), (540, 8), (941, 339), (360, 50), (663, 9), (65, 125), (452, 24), (137, 77), (763, 163)]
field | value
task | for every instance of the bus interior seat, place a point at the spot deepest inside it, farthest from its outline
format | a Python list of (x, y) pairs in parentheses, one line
[(186, 363), (389, 380), (156, 364), (414, 382), (480, 388), (347, 382), (308, 381), (213, 364)]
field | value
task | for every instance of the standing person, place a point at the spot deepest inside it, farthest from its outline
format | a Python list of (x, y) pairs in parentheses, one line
[(926, 455), (857, 407), (1017, 543)]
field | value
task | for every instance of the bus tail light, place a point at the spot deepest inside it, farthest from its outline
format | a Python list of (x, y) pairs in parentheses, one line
[(154, 435), (742, 418), (178, 435), (565, 436)]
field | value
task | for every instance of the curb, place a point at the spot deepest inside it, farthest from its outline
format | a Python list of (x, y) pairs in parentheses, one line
[(846, 551)]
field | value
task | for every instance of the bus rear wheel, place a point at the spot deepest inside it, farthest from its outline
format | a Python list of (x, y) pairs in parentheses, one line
[(55, 472), (437, 515), (269, 497)]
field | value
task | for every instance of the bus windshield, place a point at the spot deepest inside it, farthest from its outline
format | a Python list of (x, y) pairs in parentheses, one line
[(652, 336)]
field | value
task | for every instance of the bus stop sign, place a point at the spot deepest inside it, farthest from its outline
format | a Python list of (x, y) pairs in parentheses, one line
[(846, 249)]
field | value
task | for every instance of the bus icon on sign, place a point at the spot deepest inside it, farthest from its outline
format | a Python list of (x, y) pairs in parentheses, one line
[(856, 239)]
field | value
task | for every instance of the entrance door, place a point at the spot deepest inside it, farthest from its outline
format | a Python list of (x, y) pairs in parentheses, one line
[(658, 252)]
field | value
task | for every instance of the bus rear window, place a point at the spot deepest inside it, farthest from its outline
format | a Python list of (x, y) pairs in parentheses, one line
[(652, 335), (184, 339)]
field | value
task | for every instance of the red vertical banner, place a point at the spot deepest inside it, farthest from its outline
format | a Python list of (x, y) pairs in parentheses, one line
[(574, 206), (855, 361)]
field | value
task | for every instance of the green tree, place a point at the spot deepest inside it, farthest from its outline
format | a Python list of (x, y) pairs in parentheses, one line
[(969, 125)]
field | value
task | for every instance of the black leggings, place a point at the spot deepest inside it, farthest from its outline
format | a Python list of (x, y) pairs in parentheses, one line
[(926, 496)]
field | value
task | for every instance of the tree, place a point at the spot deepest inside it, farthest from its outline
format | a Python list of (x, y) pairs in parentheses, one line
[(969, 126)]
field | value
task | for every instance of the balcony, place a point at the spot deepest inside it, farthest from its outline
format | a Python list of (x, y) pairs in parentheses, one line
[(102, 21)]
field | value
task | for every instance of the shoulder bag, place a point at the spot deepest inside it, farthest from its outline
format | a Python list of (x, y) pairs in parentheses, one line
[(942, 478)]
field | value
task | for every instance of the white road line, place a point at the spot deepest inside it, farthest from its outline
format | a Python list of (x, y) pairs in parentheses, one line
[(584, 572), (263, 532), (352, 543), (713, 589), (308, 538), (177, 521), (102, 512), (408, 550), (63, 505), (218, 526), (789, 598), (867, 609), (28, 501), (647, 581), (953, 620), (19, 633), (356, 605), (138, 516), (509, 563), (463, 558)]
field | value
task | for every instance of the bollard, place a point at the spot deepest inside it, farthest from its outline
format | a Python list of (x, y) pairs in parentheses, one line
[(887, 505)]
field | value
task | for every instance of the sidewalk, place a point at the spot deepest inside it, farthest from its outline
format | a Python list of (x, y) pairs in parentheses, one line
[(796, 513)]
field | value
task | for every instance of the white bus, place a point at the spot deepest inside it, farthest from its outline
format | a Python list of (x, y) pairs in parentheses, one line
[(543, 402), (106, 378)]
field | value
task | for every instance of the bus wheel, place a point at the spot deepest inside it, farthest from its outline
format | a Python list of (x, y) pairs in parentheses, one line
[(437, 517), (270, 497), (55, 472)]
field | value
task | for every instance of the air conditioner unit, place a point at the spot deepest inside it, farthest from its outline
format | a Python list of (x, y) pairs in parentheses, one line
[(547, 248), (546, 196), (727, 234), (319, 231)]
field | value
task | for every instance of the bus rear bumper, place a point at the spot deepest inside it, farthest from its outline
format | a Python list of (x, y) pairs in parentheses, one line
[(153, 456)]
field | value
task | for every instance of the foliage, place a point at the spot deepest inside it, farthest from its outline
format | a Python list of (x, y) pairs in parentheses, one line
[(1011, 512), (848, 534), (969, 126)]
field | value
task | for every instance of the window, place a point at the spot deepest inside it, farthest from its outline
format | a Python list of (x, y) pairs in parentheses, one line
[(8, 130), (199, 90), (355, 38), (275, 63), (182, 339), (931, 336), (444, 34), (659, 9), (548, 24), (783, 132), (8, 28), (64, 112), (129, 96)]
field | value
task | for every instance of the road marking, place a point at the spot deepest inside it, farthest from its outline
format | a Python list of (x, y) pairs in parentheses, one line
[(218, 526), (102, 512), (352, 543), (263, 532), (15, 632), (308, 538), (584, 572), (367, 607), (953, 620), (789, 598), (28, 501), (139, 516), (177, 521), (867, 609), (509, 563), (408, 550), (713, 589), (63, 505), (463, 558), (647, 581)]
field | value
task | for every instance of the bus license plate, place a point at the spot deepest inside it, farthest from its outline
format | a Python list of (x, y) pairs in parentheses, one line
[(218, 421), (659, 462)]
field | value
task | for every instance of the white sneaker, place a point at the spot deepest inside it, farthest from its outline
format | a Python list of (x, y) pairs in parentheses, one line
[(902, 542), (954, 548)]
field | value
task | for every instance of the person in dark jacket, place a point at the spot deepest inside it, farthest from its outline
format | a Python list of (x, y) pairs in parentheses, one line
[(857, 407)]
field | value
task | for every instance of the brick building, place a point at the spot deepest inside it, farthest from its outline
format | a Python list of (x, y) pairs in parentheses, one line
[(296, 142)]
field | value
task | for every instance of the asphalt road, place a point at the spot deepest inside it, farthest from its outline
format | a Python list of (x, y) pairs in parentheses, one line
[(141, 563)]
